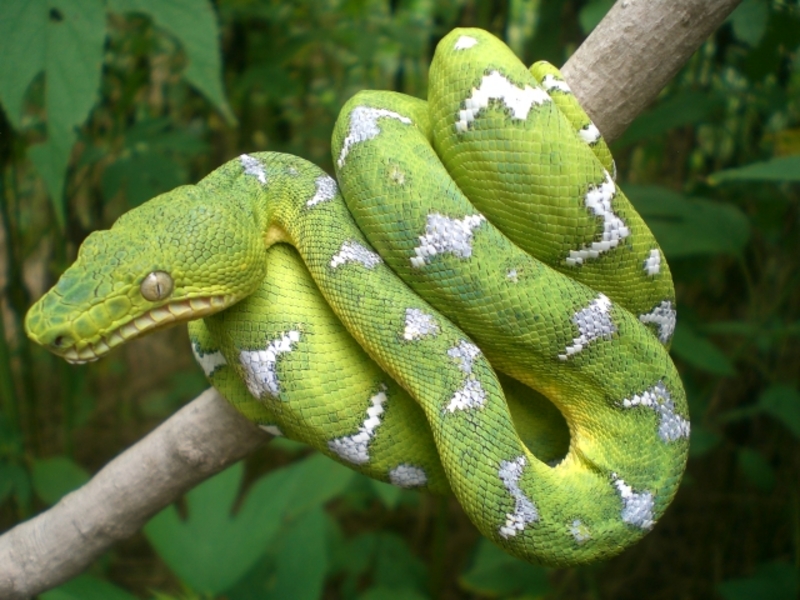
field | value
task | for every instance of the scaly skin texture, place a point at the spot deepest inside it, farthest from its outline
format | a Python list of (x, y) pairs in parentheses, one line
[(476, 233)]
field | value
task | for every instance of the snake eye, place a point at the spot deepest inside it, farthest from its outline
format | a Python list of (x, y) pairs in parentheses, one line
[(156, 286)]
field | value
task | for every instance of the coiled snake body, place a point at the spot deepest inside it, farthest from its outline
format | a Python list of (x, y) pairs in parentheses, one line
[(480, 232)]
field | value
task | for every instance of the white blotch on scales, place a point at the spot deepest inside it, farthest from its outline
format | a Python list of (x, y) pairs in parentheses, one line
[(208, 361), (671, 426), (598, 200), (253, 167), (408, 476), (580, 532), (589, 134), (652, 264), (465, 42), (326, 190), (663, 316), (260, 366), (364, 126), (496, 86), (524, 510), (353, 448), (593, 322), (351, 251), (470, 395), (637, 508), (443, 234), (550, 83), (465, 353), (419, 324)]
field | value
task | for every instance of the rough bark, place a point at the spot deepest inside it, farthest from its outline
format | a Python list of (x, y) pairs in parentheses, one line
[(634, 52), (616, 73)]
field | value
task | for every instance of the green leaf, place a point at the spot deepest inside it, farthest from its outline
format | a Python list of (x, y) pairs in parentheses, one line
[(51, 159), (756, 468), (142, 176), (495, 573), (317, 480), (700, 352), (687, 226), (686, 107), (749, 21), (56, 477), (23, 26), (194, 25), (775, 581), (65, 39), (76, 33), (782, 402), (395, 565), (86, 587), (212, 549), (782, 168), (192, 548), (592, 13), (302, 559)]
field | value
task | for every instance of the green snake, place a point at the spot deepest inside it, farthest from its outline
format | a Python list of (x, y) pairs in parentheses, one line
[(479, 309)]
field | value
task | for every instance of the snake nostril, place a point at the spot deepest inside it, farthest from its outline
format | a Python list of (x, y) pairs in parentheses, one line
[(59, 341)]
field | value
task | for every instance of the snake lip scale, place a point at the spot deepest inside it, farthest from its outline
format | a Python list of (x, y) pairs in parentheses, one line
[(158, 318)]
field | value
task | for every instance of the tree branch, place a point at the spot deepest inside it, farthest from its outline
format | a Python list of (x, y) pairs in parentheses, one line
[(198, 441), (616, 73), (634, 52)]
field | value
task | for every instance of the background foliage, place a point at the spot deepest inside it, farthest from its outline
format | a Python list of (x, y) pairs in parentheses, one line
[(108, 103)]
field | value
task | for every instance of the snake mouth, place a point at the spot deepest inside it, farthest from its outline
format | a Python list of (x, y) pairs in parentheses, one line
[(152, 320)]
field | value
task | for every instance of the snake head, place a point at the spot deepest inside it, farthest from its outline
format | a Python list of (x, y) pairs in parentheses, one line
[(183, 255)]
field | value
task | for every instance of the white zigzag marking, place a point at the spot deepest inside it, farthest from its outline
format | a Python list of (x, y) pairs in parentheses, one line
[(364, 126), (252, 166), (580, 532), (495, 86), (637, 508), (598, 200), (470, 395), (657, 398), (593, 322), (665, 317), (465, 42), (352, 251), (652, 264), (326, 190), (443, 234), (524, 510), (208, 361), (550, 82), (419, 324), (590, 134), (408, 476), (353, 448), (260, 366), (465, 353)]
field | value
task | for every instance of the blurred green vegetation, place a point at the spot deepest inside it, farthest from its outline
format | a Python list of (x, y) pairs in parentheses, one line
[(108, 103)]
